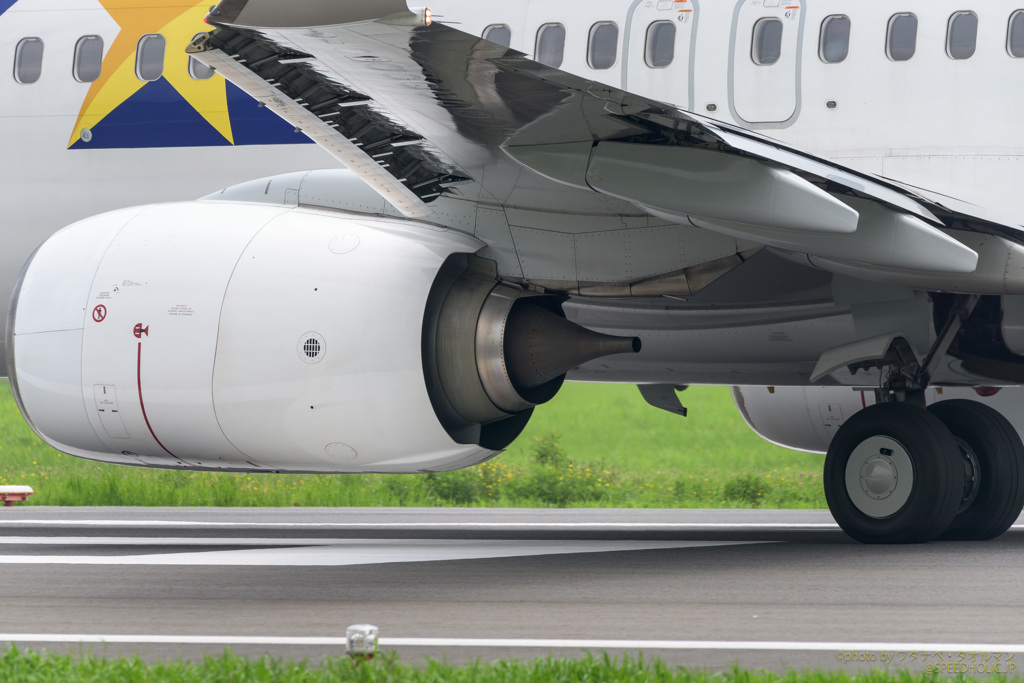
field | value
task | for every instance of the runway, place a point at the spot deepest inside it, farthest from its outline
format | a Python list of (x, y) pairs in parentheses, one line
[(704, 588)]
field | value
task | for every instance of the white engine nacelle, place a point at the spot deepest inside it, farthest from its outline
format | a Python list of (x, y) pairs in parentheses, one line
[(248, 337), (213, 335), (806, 418), (231, 336)]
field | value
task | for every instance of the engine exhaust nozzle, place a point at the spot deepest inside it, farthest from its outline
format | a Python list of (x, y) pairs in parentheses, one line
[(525, 346), (541, 345)]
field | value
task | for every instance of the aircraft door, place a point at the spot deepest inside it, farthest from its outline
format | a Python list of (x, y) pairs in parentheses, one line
[(657, 57), (765, 60)]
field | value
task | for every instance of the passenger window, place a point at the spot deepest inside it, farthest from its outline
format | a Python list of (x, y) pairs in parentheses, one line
[(962, 35), (197, 70), (88, 59), (149, 58), (835, 39), (767, 44), (603, 45), (901, 43), (661, 44), (28, 60), (1015, 35), (551, 44), (498, 33)]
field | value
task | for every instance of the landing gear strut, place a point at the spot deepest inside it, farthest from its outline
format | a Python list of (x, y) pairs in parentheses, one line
[(899, 473)]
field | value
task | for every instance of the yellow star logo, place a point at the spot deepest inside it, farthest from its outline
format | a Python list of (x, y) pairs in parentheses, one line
[(178, 21)]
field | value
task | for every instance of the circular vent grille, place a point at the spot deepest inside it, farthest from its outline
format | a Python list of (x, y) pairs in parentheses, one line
[(311, 347)]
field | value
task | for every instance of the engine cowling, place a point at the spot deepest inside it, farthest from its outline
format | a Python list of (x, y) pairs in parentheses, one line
[(215, 335)]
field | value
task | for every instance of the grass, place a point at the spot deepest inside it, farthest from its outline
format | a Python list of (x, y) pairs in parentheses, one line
[(592, 446), (18, 666)]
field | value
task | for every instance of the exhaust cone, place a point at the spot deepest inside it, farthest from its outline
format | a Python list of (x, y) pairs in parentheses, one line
[(540, 345), (501, 350)]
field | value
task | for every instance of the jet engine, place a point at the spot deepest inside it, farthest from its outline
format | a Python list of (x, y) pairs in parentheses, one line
[(229, 336)]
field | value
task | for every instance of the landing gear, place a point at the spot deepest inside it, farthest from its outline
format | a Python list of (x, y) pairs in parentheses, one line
[(993, 461), (897, 472), (894, 474)]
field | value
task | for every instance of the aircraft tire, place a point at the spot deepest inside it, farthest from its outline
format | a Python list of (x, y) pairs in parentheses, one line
[(994, 501), (894, 474)]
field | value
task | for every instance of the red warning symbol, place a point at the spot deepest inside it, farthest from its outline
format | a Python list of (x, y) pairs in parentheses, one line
[(140, 330), (99, 313)]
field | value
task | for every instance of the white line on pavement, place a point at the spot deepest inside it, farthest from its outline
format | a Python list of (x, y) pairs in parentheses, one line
[(409, 525), (555, 643), (346, 552), (177, 540)]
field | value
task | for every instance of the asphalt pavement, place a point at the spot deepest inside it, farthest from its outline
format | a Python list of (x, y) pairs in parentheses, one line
[(704, 588)]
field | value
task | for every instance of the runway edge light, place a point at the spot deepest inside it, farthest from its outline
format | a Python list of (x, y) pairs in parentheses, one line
[(10, 494), (361, 641)]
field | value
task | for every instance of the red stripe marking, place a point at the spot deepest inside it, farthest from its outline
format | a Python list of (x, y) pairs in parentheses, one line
[(863, 400), (142, 404)]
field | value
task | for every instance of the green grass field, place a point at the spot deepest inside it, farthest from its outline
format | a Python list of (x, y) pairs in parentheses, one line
[(592, 446), (228, 668)]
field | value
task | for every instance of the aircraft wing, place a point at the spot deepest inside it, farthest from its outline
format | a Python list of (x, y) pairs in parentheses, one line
[(422, 110)]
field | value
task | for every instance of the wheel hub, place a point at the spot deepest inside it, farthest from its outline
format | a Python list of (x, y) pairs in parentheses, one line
[(971, 475), (879, 477)]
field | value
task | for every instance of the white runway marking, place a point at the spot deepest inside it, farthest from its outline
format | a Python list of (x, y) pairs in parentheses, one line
[(536, 643), (426, 525), (342, 552), (166, 540), (441, 526)]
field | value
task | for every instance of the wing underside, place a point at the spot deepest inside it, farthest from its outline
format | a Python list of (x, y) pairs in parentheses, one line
[(427, 111)]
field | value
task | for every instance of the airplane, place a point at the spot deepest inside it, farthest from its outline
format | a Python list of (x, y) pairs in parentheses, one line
[(815, 205)]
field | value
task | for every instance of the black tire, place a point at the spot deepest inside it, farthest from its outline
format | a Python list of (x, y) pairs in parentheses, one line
[(1000, 457), (933, 497)]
